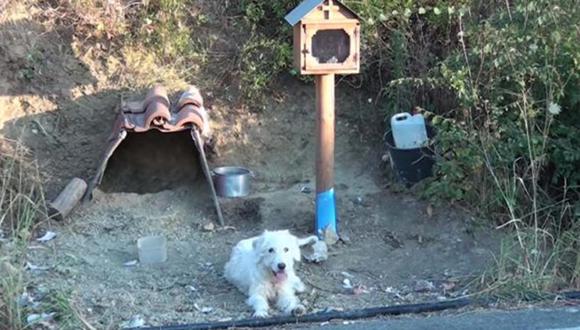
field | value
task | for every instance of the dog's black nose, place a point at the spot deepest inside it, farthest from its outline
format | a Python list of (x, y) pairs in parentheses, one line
[(281, 266)]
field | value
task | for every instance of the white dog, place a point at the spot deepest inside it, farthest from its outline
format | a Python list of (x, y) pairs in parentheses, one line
[(262, 267)]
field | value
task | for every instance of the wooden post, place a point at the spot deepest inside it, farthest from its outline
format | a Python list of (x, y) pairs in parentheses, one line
[(325, 123), (62, 206)]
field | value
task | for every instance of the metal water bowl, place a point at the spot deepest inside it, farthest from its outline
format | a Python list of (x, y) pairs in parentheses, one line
[(232, 181)]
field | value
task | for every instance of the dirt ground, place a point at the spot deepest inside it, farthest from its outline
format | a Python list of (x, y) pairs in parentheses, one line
[(395, 251)]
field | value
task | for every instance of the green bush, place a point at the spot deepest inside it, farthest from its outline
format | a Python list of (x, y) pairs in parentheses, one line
[(509, 147), (268, 49), (501, 85), (515, 77)]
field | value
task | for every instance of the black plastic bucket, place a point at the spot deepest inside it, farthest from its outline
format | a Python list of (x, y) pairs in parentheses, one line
[(411, 165)]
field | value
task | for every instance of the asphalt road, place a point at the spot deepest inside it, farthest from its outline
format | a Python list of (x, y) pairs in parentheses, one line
[(567, 318)]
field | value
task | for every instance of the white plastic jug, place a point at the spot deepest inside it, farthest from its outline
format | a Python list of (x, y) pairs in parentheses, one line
[(409, 131)]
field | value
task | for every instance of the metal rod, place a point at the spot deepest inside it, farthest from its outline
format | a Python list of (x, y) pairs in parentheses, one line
[(199, 144)]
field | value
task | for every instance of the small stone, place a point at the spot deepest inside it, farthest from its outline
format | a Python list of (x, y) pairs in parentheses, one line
[(37, 318), (424, 286), (209, 227), (430, 211), (205, 310), (49, 235), (329, 236), (135, 322), (359, 289), (345, 239), (448, 286), (25, 300), (33, 268), (346, 284)]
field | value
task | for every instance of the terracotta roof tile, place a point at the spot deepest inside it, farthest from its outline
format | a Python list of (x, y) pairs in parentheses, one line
[(155, 112)]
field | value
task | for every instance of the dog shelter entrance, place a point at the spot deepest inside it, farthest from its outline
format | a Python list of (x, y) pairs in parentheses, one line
[(151, 162)]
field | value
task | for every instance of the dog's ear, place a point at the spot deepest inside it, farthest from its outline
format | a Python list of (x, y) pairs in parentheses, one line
[(307, 241), (259, 240), (257, 243), (295, 250)]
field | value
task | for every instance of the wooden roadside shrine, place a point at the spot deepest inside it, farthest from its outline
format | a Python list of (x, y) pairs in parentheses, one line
[(326, 43)]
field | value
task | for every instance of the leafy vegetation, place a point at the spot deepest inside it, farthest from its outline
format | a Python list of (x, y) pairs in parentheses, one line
[(507, 126)]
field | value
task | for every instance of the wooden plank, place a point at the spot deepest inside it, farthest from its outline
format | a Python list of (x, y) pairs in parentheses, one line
[(298, 46), (326, 71), (325, 126)]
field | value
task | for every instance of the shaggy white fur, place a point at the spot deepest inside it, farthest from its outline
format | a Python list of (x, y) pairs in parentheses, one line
[(262, 267)]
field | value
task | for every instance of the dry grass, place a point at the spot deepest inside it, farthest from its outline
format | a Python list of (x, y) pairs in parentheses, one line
[(21, 207), (21, 194), (541, 255)]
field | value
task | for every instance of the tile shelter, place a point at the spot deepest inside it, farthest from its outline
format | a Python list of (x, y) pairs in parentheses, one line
[(155, 113)]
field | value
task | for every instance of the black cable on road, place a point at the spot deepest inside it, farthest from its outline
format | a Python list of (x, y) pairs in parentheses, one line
[(343, 315), (322, 316)]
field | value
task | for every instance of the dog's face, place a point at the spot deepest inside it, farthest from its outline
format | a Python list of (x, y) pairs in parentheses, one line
[(277, 251)]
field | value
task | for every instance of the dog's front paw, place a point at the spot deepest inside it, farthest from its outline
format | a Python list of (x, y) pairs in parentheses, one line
[(299, 287), (261, 314), (299, 310)]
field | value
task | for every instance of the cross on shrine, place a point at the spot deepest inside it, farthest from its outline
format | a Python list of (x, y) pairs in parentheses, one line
[(328, 8)]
